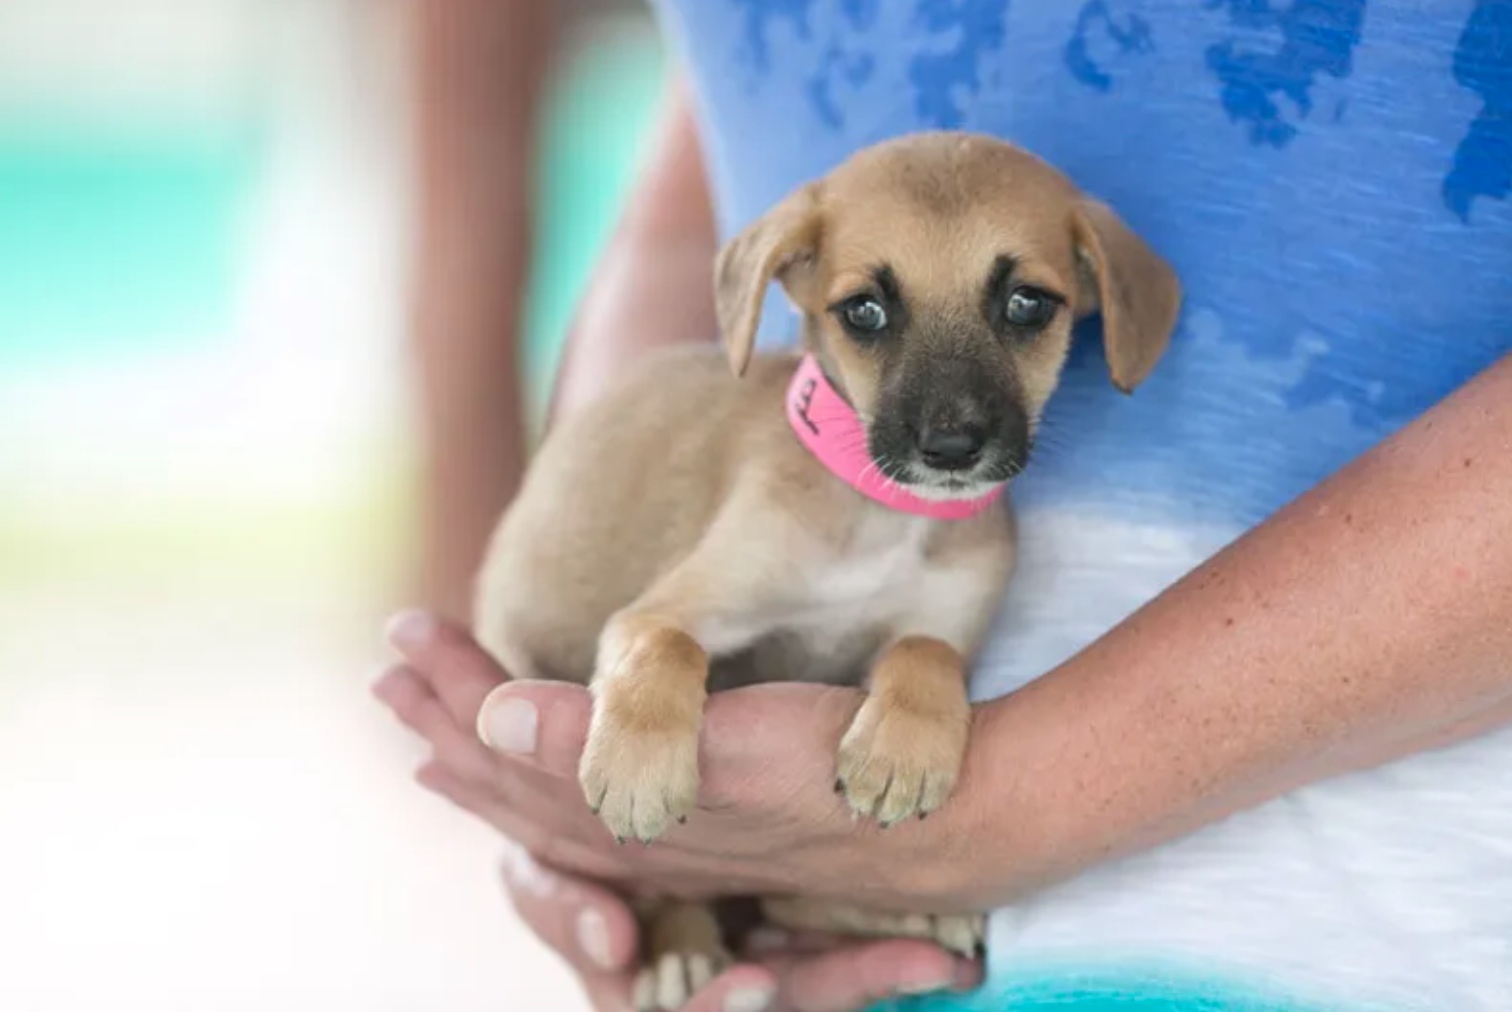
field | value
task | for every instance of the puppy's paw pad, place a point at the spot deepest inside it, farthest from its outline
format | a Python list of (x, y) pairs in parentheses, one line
[(640, 782), (671, 982), (896, 764)]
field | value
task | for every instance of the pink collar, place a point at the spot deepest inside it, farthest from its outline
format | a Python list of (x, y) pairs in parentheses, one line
[(833, 432)]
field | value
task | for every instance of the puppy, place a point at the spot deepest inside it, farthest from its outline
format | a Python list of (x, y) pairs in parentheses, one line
[(835, 516)]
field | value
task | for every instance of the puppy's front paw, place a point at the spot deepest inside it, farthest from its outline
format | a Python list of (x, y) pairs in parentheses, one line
[(639, 778), (639, 770), (896, 761)]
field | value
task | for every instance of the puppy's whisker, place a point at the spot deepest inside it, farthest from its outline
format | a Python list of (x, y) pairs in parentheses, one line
[(878, 468)]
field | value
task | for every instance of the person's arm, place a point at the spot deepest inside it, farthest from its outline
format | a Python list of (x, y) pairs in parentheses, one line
[(1370, 620), (480, 71), (653, 286)]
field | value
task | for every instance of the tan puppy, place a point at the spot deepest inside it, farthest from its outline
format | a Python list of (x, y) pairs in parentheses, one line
[(677, 538)]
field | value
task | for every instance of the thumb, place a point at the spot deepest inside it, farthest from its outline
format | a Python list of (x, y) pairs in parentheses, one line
[(768, 740), (540, 723), (754, 739)]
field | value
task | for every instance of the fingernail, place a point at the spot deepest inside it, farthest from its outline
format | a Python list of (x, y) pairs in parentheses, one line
[(593, 938), (749, 999), (410, 629), (508, 725)]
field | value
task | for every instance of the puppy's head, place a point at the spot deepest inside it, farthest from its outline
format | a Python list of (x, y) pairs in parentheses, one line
[(938, 276)]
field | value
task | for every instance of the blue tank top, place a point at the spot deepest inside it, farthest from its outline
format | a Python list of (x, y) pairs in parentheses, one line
[(1330, 180)]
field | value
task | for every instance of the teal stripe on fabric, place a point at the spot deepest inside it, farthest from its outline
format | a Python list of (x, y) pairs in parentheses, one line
[(1112, 991)]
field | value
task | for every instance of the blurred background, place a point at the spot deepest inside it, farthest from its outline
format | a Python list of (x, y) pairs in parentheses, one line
[(209, 481)]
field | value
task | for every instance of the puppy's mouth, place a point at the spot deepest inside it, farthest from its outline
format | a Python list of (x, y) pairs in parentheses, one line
[(943, 484), (928, 482)]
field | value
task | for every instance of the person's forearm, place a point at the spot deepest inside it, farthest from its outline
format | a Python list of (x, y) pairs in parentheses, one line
[(1369, 620), (654, 284), (481, 67)]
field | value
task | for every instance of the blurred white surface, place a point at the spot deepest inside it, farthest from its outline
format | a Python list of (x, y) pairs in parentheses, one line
[(200, 806), (225, 823)]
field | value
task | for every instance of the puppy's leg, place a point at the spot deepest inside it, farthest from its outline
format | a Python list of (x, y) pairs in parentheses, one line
[(684, 950), (639, 769), (903, 751), (962, 934)]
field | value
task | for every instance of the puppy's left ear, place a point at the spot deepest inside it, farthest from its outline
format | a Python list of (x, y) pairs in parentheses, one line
[(780, 244), (1138, 292)]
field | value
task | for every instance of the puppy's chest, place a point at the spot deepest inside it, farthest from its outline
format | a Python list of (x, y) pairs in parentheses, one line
[(843, 605), (875, 578)]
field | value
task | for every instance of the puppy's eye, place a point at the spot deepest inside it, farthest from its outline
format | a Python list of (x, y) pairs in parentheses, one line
[(864, 315), (1030, 308)]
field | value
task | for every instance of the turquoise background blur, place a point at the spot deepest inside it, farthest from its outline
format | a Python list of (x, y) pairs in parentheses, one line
[(117, 240), (207, 495)]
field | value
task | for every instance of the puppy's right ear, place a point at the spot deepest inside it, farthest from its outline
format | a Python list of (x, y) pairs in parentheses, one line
[(779, 244)]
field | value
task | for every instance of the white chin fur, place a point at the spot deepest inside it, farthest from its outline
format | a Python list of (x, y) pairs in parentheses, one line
[(938, 486)]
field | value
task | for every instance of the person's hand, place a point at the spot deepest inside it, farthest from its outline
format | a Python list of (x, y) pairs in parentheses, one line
[(595, 932), (768, 820), (438, 693)]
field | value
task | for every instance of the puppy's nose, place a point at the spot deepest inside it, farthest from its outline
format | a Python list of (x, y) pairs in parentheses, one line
[(951, 448)]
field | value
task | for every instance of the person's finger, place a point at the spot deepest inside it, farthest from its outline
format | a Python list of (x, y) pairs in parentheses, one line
[(855, 977), (969, 975), (412, 701), (438, 778), (738, 989), (743, 988), (610, 992), (449, 659), (402, 691), (542, 723), (768, 741), (593, 929), (559, 850)]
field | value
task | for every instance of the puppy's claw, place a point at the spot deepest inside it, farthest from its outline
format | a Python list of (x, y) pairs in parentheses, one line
[(839, 785), (595, 799), (965, 935), (682, 820)]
